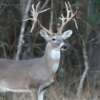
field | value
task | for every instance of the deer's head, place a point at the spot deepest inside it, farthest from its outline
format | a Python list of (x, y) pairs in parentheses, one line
[(55, 44), (56, 41)]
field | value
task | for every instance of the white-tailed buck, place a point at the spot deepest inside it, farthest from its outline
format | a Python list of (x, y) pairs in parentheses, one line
[(38, 73), (21, 76)]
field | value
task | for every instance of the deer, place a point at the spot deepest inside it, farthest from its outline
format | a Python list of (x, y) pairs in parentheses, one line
[(37, 73)]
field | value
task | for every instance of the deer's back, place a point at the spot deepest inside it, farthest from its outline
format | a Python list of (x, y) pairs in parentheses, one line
[(23, 74)]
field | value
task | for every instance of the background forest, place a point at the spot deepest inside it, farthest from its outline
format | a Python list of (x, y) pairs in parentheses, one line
[(80, 64)]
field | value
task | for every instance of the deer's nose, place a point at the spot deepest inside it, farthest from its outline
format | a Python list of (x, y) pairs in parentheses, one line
[(64, 47)]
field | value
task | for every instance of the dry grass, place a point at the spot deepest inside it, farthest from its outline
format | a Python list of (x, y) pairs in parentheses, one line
[(18, 96), (55, 92)]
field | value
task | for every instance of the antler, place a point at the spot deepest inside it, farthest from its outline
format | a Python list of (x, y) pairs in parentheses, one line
[(50, 30), (35, 13), (65, 19)]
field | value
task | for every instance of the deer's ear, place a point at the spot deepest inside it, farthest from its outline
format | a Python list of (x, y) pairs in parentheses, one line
[(67, 34), (44, 35)]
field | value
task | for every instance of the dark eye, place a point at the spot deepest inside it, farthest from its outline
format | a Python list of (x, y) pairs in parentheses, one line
[(53, 39)]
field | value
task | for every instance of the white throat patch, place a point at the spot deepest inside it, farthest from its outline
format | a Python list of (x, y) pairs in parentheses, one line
[(55, 54), (55, 67)]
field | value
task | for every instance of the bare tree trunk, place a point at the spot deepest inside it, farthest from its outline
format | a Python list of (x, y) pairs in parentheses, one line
[(23, 4), (25, 7)]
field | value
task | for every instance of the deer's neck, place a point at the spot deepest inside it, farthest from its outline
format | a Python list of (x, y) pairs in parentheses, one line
[(52, 57)]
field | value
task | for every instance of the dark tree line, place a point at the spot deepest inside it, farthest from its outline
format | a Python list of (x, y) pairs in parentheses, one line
[(85, 40)]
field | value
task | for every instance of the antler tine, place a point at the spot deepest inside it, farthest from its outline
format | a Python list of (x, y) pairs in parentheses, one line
[(45, 29), (74, 15), (35, 11), (45, 3), (65, 19), (37, 6), (50, 30)]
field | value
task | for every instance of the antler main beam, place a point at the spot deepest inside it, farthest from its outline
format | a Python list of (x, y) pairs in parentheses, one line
[(69, 16)]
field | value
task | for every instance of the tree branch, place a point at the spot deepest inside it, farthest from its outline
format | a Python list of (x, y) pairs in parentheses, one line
[(86, 64)]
